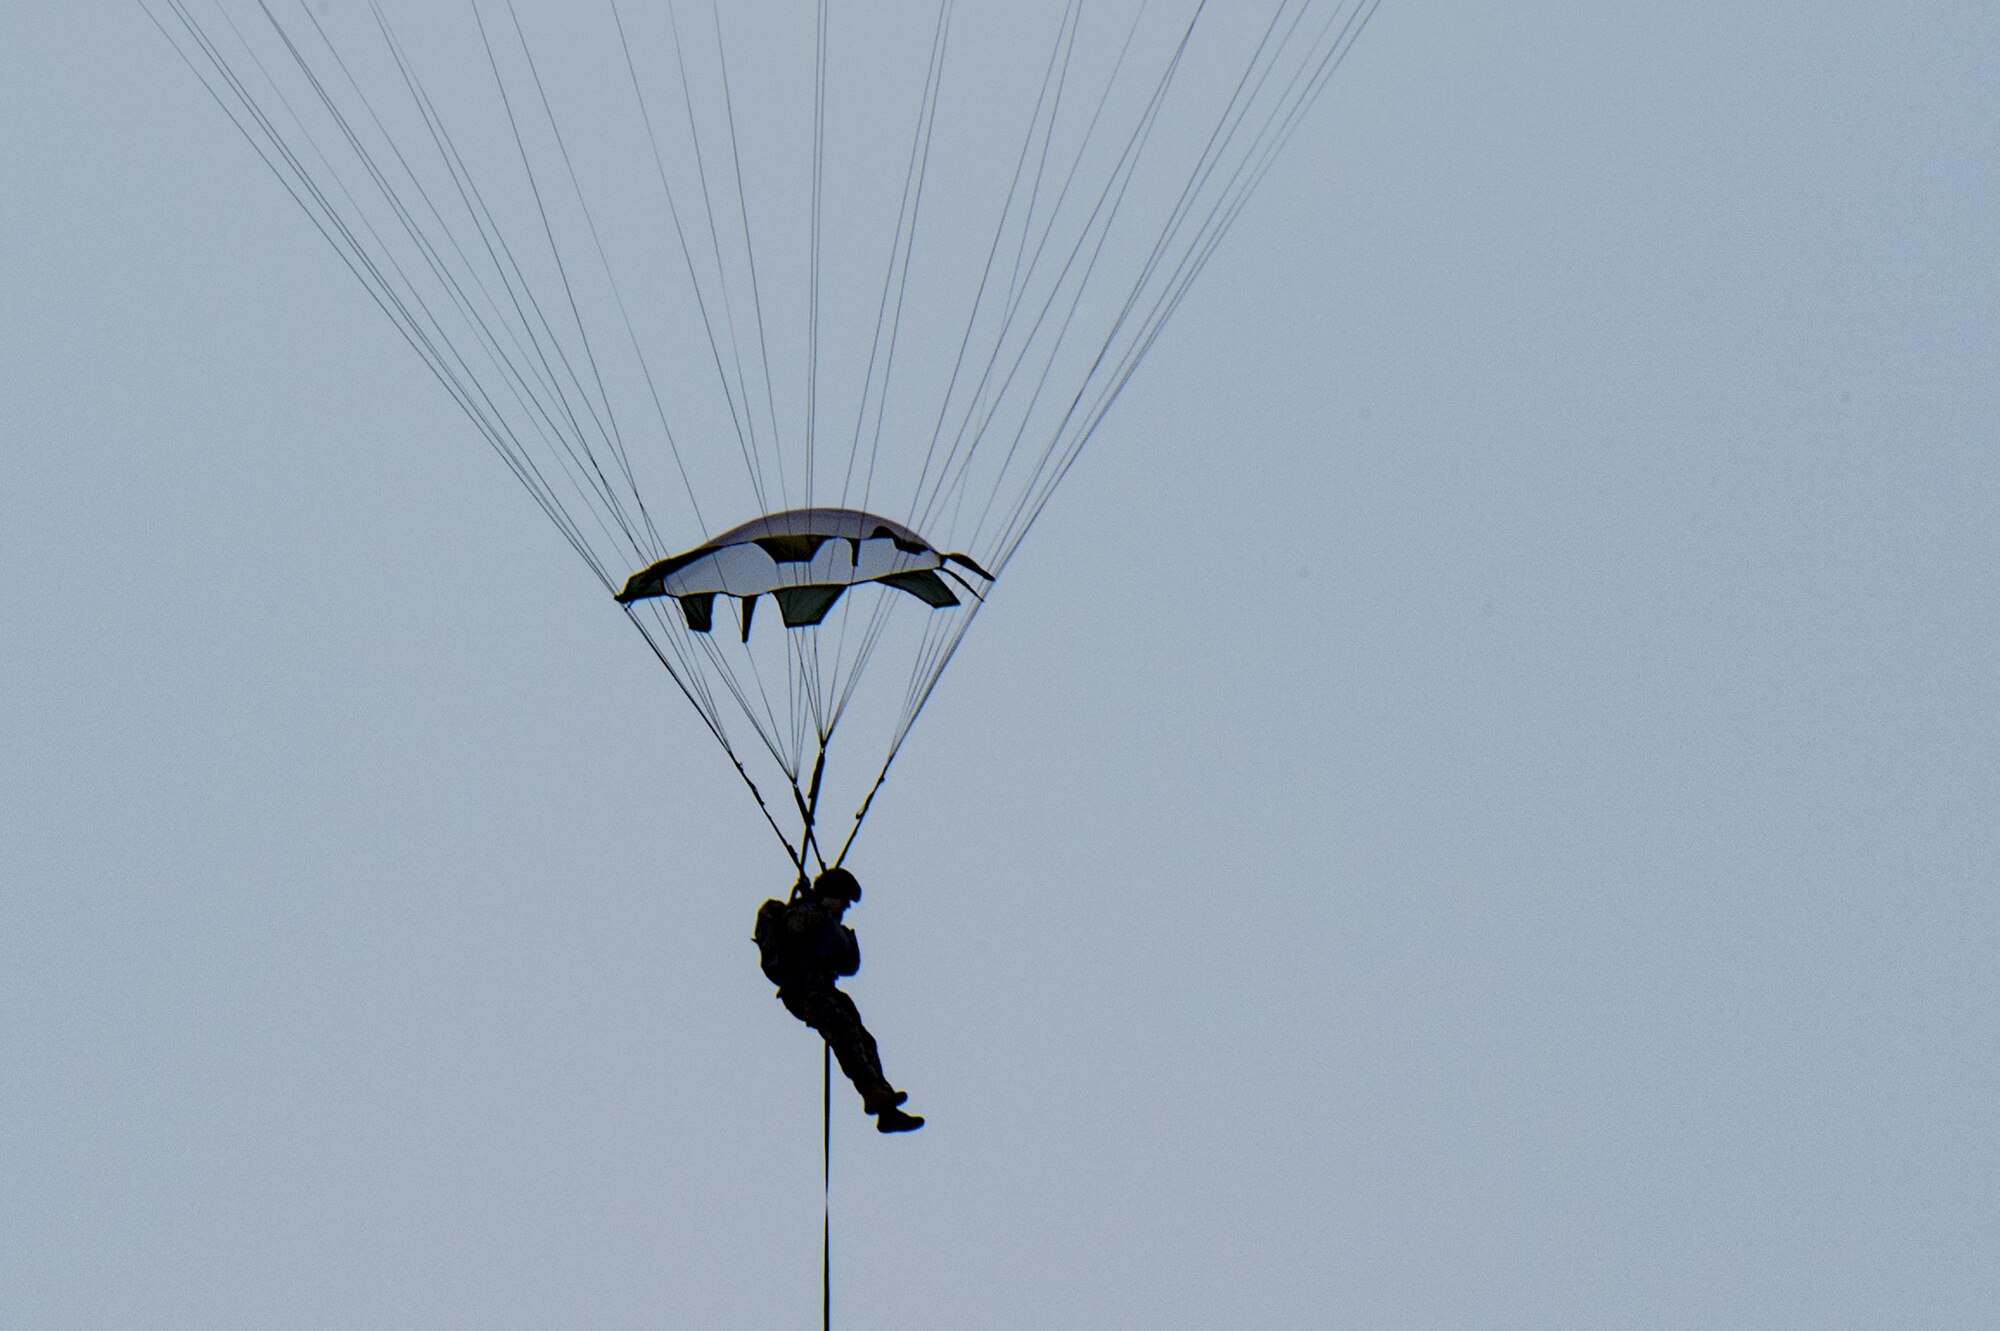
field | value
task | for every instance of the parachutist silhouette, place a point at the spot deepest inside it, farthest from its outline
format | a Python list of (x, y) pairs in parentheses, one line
[(803, 948)]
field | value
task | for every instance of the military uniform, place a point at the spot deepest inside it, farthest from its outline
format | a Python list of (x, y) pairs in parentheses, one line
[(804, 948)]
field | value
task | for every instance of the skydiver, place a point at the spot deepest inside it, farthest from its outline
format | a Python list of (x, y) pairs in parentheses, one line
[(803, 947)]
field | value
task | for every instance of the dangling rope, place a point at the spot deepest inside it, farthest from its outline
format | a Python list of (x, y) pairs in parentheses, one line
[(826, 1187)]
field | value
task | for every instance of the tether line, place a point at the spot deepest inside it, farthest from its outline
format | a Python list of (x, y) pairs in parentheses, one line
[(826, 1187)]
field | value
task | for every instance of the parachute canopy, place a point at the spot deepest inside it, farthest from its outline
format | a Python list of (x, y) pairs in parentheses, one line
[(804, 558)]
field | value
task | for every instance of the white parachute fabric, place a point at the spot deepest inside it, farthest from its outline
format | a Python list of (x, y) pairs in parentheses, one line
[(692, 267), (810, 547)]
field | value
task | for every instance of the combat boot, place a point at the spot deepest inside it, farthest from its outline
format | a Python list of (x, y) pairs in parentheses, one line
[(895, 1120)]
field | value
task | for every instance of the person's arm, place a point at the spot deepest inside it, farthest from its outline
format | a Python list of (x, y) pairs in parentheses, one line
[(807, 920), (846, 957)]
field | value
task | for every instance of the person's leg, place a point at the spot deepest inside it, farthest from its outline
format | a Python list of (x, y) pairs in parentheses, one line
[(855, 1048), (838, 1022)]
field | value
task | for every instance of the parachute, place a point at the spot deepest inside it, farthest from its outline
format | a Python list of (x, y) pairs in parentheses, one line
[(804, 559), (766, 301)]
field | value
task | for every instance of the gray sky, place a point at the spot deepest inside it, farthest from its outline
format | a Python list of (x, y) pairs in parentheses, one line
[(1562, 895)]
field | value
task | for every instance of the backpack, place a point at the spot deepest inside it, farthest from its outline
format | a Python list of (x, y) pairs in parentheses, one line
[(769, 936)]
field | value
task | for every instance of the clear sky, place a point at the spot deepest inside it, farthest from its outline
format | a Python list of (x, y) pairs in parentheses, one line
[(1475, 808)]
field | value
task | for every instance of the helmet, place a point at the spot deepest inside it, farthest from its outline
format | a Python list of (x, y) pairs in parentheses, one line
[(838, 882)]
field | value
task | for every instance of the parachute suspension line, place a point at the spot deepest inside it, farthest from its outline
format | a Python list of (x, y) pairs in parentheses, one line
[(795, 719), (572, 444), (799, 692), (1129, 162), (765, 725), (928, 647), (723, 740), (1115, 193), (752, 454), (936, 648), (618, 297), (531, 401), (607, 425), (750, 253), (1101, 219), (819, 677), (427, 332), (818, 195), (1106, 207), (986, 271), (966, 437), (935, 652), (1023, 272), (843, 689), (923, 683), (687, 258), (614, 436), (768, 729), (931, 661), (1014, 277), (878, 623), (692, 682), (1304, 87), (693, 686), (804, 681), (909, 211), (812, 679), (423, 334), (919, 695), (534, 356), (454, 287)]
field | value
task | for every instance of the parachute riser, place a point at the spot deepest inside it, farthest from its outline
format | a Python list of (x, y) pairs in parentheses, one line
[(861, 814), (808, 802)]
